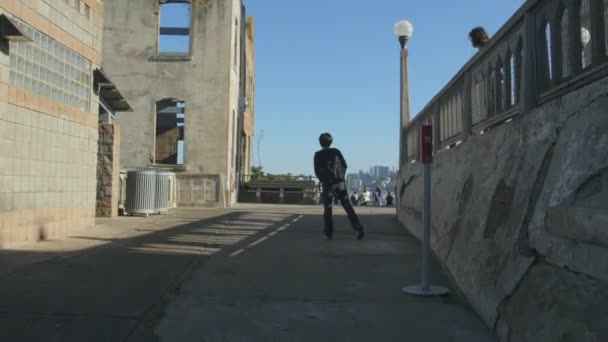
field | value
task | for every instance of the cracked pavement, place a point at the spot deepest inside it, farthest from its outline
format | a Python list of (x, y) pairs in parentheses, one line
[(258, 273)]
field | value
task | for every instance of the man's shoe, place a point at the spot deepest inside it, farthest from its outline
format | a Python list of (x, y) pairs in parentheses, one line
[(360, 235), (329, 236)]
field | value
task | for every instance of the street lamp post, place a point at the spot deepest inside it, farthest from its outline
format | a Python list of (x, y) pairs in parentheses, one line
[(404, 30)]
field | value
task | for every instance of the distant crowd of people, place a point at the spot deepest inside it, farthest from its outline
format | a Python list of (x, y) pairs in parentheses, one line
[(365, 198)]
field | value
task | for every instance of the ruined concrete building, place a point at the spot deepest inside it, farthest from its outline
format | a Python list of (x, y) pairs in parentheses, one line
[(187, 69)]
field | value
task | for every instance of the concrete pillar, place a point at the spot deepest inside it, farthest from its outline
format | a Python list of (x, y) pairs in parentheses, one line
[(258, 195), (529, 83), (282, 196), (417, 145), (598, 32), (576, 58), (436, 113), (467, 107)]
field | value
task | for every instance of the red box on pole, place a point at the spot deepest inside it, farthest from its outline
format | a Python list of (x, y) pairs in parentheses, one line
[(426, 144)]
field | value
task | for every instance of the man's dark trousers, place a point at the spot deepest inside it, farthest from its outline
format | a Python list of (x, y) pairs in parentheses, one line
[(340, 192)]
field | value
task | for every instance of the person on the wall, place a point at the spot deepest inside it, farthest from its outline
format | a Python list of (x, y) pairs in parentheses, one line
[(479, 37), (390, 200)]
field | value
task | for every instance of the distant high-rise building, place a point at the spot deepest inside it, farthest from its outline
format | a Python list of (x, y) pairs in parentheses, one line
[(379, 172), (353, 181)]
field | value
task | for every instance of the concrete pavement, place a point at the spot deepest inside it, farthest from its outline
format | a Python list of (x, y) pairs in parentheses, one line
[(257, 273)]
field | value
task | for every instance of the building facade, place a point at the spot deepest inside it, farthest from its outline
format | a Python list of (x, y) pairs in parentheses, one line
[(48, 117), (248, 89), (179, 64)]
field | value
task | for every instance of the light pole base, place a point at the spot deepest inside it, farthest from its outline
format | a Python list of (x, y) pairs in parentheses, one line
[(418, 290)]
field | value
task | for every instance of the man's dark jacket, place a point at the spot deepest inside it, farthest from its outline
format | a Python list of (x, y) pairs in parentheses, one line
[(323, 158)]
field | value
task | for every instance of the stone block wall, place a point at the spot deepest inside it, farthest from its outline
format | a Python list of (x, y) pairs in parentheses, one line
[(108, 171), (48, 147), (520, 216)]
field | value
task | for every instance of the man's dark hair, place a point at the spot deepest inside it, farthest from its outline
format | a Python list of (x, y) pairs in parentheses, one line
[(326, 140), (479, 37)]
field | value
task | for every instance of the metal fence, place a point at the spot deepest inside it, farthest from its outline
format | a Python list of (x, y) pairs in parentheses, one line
[(546, 49)]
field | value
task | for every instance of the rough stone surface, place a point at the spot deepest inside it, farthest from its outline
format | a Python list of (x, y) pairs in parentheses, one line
[(566, 307), (569, 225), (532, 190), (108, 170)]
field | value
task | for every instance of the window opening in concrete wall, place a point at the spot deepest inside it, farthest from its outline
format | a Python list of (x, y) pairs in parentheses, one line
[(491, 91), (500, 86), (586, 33), (513, 83), (86, 10), (549, 51), (174, 28), (170, 125), (519, 57)]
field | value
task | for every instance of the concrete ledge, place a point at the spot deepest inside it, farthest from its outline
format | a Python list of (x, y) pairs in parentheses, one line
[(170, 58)]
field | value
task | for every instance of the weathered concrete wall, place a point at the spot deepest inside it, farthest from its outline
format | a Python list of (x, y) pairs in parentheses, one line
[(48, 144), (207, 81), (520, 216), (249, 116), (108, 170)]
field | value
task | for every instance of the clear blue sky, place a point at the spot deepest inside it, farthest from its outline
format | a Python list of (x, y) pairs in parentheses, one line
[(334, 66)]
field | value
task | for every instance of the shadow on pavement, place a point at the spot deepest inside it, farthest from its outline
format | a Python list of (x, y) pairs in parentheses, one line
[(111, 288)]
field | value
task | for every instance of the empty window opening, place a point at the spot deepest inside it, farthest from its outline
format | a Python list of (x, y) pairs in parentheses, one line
[(586, 33), (513, 83), (170, 120), (500, 87), (549, 52), (174, 30)]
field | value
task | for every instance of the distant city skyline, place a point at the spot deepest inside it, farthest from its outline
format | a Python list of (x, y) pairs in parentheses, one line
[(375, 176)]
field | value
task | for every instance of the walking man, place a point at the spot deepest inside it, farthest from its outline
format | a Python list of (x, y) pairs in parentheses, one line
[(330, 169)]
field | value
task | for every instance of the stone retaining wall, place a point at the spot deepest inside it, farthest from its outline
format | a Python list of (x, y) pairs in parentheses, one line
[(520, 216)]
